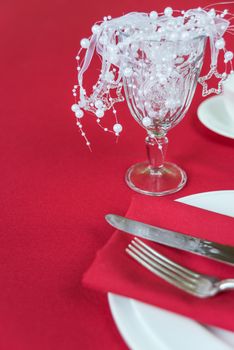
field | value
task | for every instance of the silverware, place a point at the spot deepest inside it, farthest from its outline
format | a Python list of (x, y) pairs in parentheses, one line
[(208, 249), (199, 285)]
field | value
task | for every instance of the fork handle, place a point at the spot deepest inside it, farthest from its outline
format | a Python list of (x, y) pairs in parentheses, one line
[(226, 284)]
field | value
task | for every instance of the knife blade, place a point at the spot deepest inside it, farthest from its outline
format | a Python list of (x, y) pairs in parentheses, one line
[(208, 249)]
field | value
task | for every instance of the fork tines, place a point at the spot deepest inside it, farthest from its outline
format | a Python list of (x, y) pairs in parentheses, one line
[(163, 267)]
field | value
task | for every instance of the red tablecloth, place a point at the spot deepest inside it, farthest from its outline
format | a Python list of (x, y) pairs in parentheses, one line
[(54, 192)]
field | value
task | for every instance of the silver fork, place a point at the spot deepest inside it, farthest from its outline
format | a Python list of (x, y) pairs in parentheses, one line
[(199, 285)]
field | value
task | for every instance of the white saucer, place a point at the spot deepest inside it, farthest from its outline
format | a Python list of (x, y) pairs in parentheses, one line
[(151, 328), (213, 115)]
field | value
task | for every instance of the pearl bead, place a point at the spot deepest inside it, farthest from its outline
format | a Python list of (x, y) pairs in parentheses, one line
[(99, 104), (212, 13), (105, 129), (146, 121), (88, 143), (228, 56), (74, 107), (153, 15), (220, 44), (168, 11), (117, 128), (84, 43), (79, 113), (95, 28), (128, 72), (99, 113)]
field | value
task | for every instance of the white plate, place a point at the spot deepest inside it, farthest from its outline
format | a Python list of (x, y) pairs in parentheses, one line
[(213, 115), (146, 327)]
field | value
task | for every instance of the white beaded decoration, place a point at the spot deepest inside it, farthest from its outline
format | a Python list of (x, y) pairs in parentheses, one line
[(95, 28), (98, 104), (168, 11), (212, 13), (79, 113), (228, 56), (117, 128), (112, 38), (84, 43), (75, 107), (99, 113), (203, 82), (153, 15)]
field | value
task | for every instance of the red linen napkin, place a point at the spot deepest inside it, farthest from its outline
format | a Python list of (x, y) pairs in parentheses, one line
[(114, 271)]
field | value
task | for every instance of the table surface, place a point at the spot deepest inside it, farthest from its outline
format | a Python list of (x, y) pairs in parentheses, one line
[(54, 192)]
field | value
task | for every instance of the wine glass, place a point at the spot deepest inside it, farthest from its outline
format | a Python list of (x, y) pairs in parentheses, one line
[(160, 78)]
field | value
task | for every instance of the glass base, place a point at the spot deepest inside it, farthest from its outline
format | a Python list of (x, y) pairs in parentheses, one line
[(142, 178)]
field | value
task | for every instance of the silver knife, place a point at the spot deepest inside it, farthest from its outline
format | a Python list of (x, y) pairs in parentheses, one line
[(208, 249)]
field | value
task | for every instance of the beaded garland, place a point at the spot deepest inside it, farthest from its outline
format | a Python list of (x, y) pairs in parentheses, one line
[(110, 39)]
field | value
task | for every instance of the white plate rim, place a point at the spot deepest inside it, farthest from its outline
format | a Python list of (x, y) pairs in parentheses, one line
[(206, 121)]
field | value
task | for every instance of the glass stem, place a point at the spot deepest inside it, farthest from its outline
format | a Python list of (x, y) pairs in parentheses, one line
[(156, 147)]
